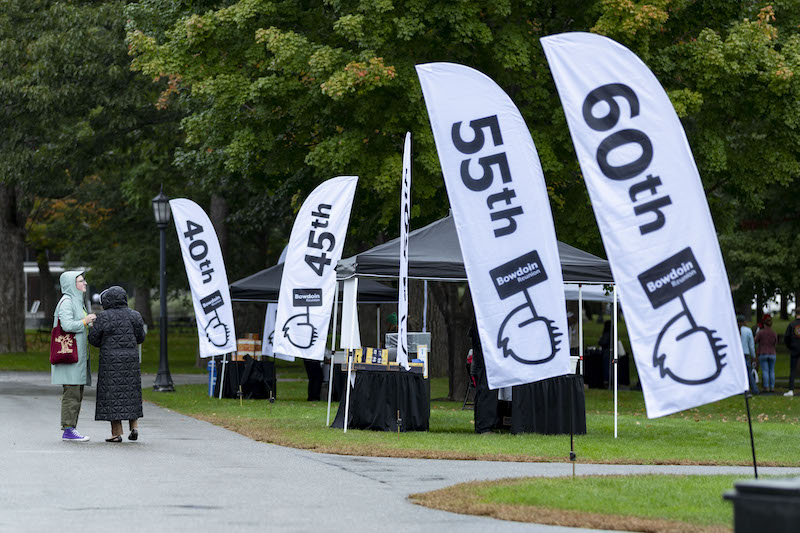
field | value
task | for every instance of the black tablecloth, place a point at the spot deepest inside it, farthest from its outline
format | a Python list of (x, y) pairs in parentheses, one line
[(256, 377), (376, 396), (594, 371), (544, 406), (540, 407)]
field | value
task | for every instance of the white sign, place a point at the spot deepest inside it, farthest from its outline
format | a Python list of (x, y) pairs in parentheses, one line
[(351, 334), (502, 214), (655, 223), (309, 280), (208, 281), (268, 344), (405, 221)]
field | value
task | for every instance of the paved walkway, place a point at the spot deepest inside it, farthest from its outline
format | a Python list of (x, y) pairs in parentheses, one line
[(187, 475)]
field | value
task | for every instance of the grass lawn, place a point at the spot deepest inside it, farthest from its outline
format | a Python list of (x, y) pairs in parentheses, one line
[(633, 503), (713, 434)]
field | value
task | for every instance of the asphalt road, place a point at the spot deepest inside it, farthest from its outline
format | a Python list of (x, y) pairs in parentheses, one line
[(187, 475)]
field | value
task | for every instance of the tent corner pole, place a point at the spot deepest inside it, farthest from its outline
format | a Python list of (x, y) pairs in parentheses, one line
[(580, 330), (425, 306)]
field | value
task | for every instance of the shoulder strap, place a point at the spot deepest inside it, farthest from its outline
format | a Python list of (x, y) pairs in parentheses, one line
[(58, 305)]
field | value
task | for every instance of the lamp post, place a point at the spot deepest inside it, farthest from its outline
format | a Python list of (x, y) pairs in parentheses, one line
[(161, 210)]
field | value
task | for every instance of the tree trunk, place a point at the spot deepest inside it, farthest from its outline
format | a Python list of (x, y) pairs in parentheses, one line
[(142, 296), (416, 307), (12, 273), (218, 213), (366, 325), (458, 313), (784, 305), (439, 352), (48, 294)]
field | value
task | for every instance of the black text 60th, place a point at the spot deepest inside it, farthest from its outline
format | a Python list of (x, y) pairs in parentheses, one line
[(324, 241), (198, 249), (500, 201), (645, 195)]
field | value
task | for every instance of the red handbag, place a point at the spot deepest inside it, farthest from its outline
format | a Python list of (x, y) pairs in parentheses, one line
[(63, 347)]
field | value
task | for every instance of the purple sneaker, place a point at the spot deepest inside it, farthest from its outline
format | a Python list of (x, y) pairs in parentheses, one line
[(71, 435)]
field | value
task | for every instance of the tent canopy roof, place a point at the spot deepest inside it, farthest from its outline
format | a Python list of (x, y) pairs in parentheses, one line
[(264, 286), (435, 254)]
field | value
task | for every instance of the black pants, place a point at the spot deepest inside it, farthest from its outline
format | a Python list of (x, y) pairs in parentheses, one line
[(314, 373), (793, 362), (486, 417)]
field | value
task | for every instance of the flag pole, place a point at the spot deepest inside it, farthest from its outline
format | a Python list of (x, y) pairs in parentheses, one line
[(616, 355), (572, 455), (750, 424), (333, 350)]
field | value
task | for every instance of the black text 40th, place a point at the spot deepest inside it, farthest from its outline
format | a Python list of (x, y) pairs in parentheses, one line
[(323, 241), (198, 249)]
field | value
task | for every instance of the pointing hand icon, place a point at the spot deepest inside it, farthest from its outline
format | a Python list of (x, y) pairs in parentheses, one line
[(217, 333), (300, 331), (512, 343), (688, 353)]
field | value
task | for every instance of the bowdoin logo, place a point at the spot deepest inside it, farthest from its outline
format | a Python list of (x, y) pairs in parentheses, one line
[(667, 281), (518, 275)]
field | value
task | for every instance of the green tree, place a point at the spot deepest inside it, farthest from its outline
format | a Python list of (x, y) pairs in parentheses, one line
[(74, 112), (283, 95)]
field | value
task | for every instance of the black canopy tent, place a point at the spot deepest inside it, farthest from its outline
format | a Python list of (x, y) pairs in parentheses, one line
[(264, 286), (434, 254)]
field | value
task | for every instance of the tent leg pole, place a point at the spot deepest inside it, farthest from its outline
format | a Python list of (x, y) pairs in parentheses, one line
[(222, 377), (580, 330), (347, 394), (425, 306)]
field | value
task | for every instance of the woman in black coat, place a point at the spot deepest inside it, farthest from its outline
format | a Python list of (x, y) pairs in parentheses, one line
[(118, 331)]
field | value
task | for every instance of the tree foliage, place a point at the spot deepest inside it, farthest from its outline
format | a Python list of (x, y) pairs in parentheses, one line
[(275, 97)]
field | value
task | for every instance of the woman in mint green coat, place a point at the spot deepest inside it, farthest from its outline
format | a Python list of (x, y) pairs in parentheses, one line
[(71, 311)]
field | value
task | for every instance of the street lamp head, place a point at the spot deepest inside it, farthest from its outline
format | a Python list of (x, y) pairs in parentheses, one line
[(161, 209)]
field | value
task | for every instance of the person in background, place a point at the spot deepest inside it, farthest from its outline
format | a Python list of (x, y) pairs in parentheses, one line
[(792, 341), (314, 374), (572, 326), (391, 324), (71, 311), (486, 416), (117, 332), (749, 348), (605, 342), (766, 340)]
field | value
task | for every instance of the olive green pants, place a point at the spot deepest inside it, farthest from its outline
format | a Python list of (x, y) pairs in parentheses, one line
[(71, 405)]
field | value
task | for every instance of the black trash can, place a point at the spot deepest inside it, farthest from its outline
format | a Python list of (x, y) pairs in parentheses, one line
[(763, 505)]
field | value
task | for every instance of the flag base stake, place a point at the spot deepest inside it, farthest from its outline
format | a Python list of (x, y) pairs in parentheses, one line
[(572, 456), (750, 425)]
